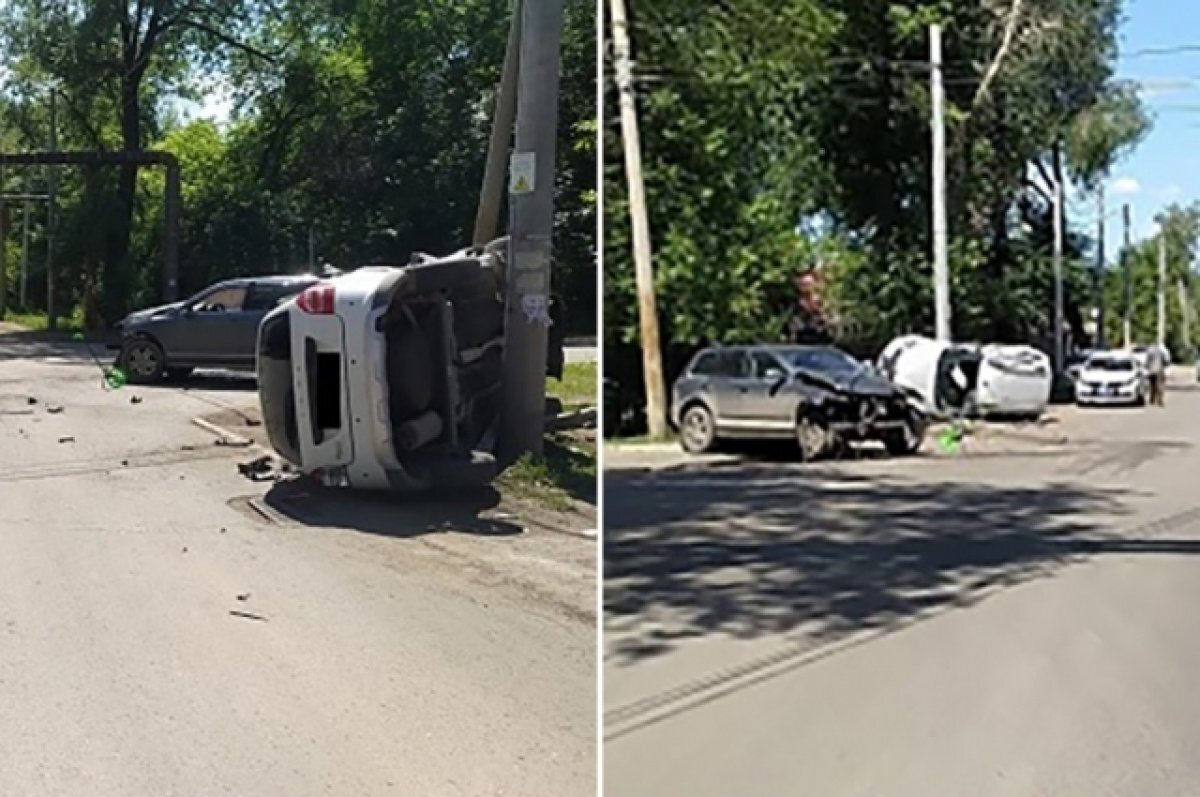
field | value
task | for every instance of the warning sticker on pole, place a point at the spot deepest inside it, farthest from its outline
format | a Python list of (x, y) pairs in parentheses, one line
[(522, 171)]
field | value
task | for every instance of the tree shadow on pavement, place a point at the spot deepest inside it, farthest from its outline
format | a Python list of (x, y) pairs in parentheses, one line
[(390, 514), (765, 550), (25, 344)]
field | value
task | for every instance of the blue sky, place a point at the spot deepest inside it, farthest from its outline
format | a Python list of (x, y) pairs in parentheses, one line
[(1165, 168)]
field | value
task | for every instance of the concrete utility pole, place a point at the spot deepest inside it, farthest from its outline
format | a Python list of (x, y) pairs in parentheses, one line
[(1162, 288), (652, 371), (941, 267), (1099, 279), (491, 194), (1127, 269), (1059, 358), (51, 306), (531, 187), (1185, 316)]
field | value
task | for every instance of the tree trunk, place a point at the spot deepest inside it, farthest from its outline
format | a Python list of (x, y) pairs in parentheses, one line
[(116, 270)]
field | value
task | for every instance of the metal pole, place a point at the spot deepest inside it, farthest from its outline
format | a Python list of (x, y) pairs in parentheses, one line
[(1059, 359), (941, 267), (24, 255), (1127, 269), (487, 215), (532, 186), (4, 207), (652, 371), (1162, 288), (1099, 287), (174, 199), (1185, 318), (51, 305)]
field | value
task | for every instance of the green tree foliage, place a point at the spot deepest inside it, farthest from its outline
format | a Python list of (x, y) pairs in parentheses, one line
[(790, 136), (362, 125)]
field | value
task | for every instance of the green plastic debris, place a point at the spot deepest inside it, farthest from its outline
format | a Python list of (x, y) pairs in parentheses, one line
[(115, 378), (950, 439)]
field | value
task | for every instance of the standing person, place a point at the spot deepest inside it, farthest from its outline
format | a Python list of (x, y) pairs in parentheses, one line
[(1156, 365)]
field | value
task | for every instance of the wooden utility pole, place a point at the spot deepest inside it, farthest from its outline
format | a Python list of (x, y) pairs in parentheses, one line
[(941, 266), (1161, 325), (491, 194), (531, 186), (1127, 273), (652, 371)]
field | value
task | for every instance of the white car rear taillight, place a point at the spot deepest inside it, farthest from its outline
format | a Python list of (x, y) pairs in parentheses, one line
[(317, 300)]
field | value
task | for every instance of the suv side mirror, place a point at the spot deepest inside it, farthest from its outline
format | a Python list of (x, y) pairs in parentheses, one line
[(774, 374)]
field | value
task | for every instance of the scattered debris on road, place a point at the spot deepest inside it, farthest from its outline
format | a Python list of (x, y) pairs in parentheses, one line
[(54, 409), (233, 442), (31, 401), (67, 439), (16, 412), (258, 470), (245, 596), (185, 549), (135, 399), (248, 615)]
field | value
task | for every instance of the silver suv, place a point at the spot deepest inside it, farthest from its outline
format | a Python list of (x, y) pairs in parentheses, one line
[(819, 395)]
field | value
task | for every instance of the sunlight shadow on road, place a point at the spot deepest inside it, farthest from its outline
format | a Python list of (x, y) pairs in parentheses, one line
[(391, 514), (823, 553)]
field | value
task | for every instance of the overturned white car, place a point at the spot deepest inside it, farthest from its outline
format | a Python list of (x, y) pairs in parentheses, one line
[(955, 379)]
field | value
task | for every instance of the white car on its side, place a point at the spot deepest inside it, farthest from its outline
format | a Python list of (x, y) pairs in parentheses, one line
[(389, 377), (1112, 378)]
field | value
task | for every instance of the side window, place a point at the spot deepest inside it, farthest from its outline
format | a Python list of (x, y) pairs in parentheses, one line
[(223, 300), (265, 296), (735, 364), (764, 362), (706, 364)]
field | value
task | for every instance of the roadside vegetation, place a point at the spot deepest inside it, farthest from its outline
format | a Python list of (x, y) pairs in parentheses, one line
[(356, 132), (787, 164), (567, 470)]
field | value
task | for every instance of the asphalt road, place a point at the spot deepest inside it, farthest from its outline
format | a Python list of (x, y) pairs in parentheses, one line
[(1015, 619), (160, 636)]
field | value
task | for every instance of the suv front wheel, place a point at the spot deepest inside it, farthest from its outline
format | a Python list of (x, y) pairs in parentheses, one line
[(697, 430), (143, 361)]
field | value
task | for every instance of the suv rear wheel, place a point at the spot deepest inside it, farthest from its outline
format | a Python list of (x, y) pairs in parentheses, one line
[(143, 361), (697, 430)]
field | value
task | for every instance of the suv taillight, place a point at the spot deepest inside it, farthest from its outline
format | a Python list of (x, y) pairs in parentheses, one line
[(317, 300)]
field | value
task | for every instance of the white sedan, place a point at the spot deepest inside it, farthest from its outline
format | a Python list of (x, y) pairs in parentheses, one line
[(1111, 378)]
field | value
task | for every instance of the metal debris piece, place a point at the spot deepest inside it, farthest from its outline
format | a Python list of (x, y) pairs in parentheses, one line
[(54, 409), (233, 442), (67, 439), (248, 616), (245, 596), (31, 401), (135, 399)]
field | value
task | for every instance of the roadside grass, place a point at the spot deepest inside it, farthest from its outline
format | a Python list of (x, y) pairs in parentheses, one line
[(38, 322), (577, 387), (566, 471)]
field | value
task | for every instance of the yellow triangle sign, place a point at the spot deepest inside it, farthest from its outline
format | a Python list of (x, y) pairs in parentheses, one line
[(522, 186)]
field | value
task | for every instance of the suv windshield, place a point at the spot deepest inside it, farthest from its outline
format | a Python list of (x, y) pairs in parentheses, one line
[(1109, 364), (824, 360)]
